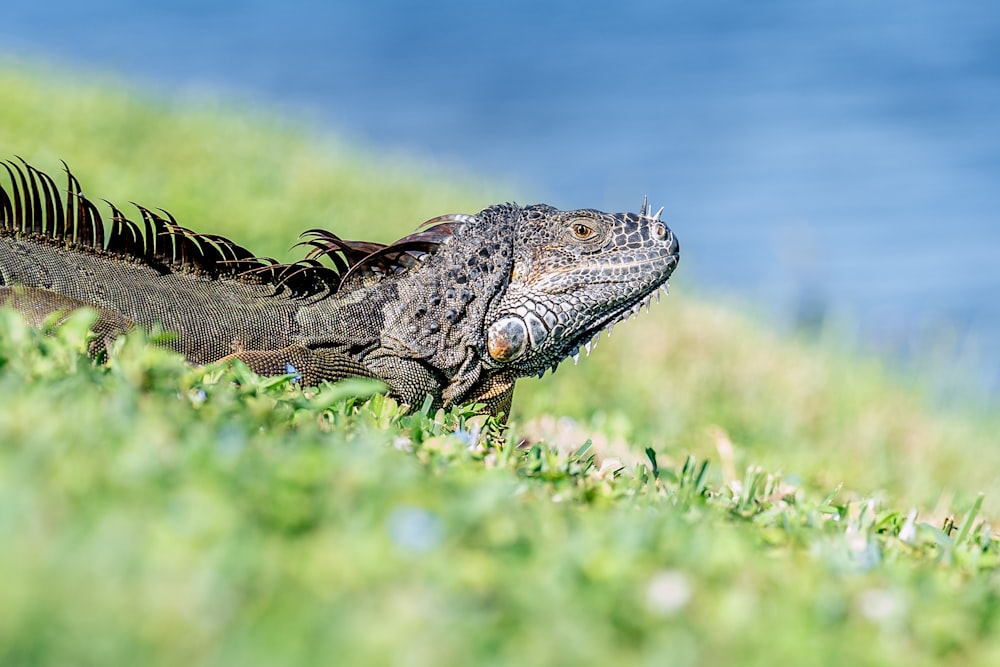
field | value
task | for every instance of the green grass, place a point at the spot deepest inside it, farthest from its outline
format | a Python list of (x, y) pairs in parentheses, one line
[(700, 491)]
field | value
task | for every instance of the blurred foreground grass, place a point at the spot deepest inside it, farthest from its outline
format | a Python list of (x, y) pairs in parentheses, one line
[(798, 503)]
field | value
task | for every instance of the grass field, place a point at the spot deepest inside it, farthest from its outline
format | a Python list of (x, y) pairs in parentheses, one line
[(700, 491)]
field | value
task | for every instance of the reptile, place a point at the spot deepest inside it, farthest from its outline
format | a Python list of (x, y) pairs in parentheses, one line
[(458, 310)]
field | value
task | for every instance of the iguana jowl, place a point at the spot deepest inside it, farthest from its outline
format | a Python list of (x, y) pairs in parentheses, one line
[(458, 310)]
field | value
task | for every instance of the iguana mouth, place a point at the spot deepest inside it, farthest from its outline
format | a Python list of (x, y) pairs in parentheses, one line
[(588, 340)]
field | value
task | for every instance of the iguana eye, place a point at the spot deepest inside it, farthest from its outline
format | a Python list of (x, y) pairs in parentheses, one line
[(582, 231)]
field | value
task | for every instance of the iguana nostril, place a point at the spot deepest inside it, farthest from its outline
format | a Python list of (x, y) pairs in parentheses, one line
[(659, 231)]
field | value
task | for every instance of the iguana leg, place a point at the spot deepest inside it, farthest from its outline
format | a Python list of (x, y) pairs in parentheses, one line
[(37, 304), (410, 382), (314, 366), (497, 392)]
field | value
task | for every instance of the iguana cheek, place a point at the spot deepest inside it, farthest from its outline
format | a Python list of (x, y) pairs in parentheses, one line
[(506, 339)]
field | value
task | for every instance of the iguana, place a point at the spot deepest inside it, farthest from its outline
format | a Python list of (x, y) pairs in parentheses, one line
[(457, 311)]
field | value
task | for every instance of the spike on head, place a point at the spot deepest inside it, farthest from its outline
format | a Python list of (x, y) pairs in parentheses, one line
[(646, 208)]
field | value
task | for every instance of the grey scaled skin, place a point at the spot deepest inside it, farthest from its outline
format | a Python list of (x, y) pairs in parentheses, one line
[(457, 311)]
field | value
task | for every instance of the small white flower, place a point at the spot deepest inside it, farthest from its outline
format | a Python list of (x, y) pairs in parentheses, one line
[(880, 605), (908, 532), (610, 466), (668, 592)]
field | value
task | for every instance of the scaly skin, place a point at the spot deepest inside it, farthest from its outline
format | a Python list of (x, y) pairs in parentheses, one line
[(458, 311)]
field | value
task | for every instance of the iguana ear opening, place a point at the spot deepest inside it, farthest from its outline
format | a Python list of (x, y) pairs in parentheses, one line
[(519, 272)]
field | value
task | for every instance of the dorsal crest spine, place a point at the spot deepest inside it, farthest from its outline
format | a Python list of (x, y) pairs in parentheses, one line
[(35, 208)]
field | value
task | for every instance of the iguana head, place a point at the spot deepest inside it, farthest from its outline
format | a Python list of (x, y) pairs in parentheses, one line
[(574, 274)]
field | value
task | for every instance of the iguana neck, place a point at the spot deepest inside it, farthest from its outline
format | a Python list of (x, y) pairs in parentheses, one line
[(435, 315)]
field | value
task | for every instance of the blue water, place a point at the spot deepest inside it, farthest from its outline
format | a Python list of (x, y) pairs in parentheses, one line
[(814, 157)]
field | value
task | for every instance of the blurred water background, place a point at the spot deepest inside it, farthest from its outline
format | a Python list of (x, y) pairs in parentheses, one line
[(821, 160)]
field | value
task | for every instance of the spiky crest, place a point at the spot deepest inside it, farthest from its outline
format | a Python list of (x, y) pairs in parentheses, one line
[(34, 208)]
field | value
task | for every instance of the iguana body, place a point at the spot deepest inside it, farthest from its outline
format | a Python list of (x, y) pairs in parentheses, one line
[(457, 311)]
